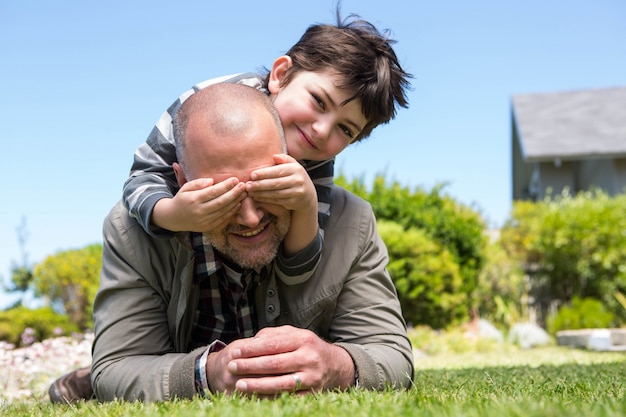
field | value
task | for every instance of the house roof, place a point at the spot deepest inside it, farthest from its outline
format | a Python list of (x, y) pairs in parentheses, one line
[(571, 125)]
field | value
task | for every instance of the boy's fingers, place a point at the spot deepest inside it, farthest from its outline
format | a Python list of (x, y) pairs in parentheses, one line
[(283, 158), (281, 169), (221, 188), (197, 184)]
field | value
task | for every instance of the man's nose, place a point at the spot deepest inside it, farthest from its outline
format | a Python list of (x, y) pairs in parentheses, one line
[(249, 214)]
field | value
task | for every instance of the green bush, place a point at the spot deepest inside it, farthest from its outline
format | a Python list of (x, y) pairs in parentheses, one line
[(427, 278), (571, 246), (452, 341), (43, 323), (586, 313), (452, 234), (501, 294)]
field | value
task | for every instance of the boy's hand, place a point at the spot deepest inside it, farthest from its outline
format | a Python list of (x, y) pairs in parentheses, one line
[(286, 184), (199, 205)]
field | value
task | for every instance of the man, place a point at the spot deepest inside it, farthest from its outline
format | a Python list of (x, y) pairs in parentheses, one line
[(174, 321)]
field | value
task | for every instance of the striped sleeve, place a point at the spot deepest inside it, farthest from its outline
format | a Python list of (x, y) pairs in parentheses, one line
[(299, 268), (321, 173)]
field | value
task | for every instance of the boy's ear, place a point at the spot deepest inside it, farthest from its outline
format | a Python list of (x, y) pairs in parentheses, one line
[(278, 73), (180, 176)]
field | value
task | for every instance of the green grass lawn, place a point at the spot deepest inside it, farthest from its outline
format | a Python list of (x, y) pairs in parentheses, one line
[(548, 381)]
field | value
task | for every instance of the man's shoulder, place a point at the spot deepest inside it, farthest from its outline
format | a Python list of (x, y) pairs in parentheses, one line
[(121, 226), (347, 207), (119, 216), (342, 196), (119, 221), (124, 237)]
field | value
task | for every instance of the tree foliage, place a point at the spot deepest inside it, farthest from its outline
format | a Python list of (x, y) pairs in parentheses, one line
[(71, 278), (21, 273)]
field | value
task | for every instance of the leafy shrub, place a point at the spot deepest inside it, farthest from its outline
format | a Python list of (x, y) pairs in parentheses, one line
[(501, 293), (449, 223), (42, 322), (426, 277), (452, 341), (586, 313), (452, 234), (571, 246)]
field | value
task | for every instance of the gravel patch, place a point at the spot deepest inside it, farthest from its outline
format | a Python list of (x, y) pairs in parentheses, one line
[(27, 372)]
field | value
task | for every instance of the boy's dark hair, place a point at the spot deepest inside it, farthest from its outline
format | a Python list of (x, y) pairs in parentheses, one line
[(364, 58)]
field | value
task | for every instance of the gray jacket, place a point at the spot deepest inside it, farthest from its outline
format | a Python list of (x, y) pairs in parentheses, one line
[(143, 312)]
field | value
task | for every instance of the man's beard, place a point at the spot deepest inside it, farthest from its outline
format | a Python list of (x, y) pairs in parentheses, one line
[(254, 256)]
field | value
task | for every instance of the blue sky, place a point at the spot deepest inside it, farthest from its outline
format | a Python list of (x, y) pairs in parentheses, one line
[(83, 83)]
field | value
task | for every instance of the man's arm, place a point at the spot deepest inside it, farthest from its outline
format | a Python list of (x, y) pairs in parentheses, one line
[(134, 355), (368, 320)]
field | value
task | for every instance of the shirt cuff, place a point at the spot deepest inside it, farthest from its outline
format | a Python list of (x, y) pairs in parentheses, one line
[(201, 383)]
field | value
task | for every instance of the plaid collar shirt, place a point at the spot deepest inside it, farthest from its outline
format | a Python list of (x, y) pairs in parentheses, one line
[(225, 309)]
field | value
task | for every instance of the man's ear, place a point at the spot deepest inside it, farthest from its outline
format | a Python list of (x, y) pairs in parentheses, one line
[(278, 73), (180, 175)]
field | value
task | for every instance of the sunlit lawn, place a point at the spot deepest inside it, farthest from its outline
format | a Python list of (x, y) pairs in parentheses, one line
[(479, 380)]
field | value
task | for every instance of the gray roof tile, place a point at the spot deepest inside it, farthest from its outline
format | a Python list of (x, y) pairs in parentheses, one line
[(571, 125)]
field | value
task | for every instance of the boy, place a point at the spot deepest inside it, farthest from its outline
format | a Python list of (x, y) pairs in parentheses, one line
[(335, 85)]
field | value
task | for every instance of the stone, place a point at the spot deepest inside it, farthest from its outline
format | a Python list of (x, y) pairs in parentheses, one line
[(528, 335)]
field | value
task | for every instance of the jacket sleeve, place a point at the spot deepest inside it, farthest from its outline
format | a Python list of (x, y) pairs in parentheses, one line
[(133, 353), (368, 320)]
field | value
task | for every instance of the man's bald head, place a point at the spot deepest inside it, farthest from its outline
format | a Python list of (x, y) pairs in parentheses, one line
[(228, 116), (228, 131)]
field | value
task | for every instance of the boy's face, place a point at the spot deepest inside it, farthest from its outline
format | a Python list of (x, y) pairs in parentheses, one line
[(317, 127)]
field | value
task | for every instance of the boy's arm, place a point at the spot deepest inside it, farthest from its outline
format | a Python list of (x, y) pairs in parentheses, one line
[(300, 253), (321, 174), (151, 193), (151, 176), (287, 184), (301, 266)]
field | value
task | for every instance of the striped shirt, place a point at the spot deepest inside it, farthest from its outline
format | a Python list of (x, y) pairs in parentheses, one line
[(152, 178)]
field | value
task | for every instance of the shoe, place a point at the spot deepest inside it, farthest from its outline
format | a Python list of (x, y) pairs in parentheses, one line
[(72, 387)]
